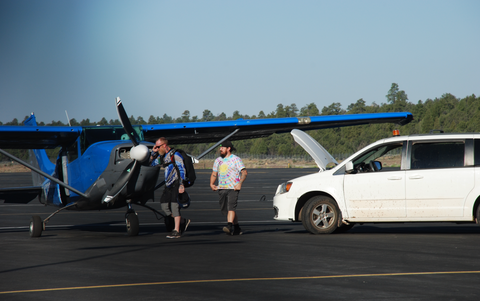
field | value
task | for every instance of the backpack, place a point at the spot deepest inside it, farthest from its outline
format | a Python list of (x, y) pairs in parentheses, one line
[(190, 175)]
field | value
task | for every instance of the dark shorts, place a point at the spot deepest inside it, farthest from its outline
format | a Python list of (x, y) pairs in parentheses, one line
[(228, 200), (168, 200)]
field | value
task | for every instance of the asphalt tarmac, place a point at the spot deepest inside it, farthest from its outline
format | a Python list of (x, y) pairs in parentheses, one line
[(88, 256)]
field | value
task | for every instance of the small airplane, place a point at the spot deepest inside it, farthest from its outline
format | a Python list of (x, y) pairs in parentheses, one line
[(106, 167)]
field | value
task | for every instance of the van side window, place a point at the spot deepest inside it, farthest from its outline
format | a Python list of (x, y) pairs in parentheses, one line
[(437, 155)]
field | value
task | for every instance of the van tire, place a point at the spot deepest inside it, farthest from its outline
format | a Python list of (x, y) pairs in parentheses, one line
[(477, 215), (320, 215)]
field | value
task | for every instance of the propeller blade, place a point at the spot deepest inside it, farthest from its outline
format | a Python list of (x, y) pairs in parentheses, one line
[(122, 181), (127, 126)]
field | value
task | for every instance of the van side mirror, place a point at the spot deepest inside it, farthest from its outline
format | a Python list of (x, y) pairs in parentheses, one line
[(377, 165), (349, 167)]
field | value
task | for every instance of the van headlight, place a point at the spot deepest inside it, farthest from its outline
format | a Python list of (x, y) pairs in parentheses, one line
[(284, 187)]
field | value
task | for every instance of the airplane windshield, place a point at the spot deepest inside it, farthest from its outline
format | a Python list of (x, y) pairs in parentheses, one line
[(94, 134)]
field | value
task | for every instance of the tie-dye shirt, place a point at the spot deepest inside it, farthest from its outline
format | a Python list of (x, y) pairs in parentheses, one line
[(228, 170)]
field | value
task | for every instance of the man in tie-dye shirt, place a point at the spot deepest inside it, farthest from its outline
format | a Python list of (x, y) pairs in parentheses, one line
[(229, 172)]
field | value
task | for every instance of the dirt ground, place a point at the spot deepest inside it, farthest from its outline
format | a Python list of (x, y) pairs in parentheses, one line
[(264, 163), (12, 167)]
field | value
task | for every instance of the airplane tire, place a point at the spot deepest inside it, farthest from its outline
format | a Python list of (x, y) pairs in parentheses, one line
[(132, 224), (36, 226)]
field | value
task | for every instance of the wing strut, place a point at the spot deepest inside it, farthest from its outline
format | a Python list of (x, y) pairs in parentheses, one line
[(43, 174), (205, 153), (216, 144), (65, 171)]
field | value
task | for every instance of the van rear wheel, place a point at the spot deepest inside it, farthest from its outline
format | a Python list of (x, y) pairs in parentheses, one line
[(477, 216), (320, 215)]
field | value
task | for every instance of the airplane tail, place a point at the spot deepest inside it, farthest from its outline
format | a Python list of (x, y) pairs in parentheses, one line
[(39, 158)]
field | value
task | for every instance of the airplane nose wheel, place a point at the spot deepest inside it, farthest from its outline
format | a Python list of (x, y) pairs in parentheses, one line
[(131, 220), (36, 226)]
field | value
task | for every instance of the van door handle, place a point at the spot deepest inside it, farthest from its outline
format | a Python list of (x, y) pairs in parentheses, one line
[(416, 177), (394, 178)]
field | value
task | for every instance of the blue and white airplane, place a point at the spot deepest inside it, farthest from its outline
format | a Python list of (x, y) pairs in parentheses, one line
[(106, 167)]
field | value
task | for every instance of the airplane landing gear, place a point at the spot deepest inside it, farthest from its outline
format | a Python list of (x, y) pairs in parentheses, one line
[(36, 226), (131, 221)]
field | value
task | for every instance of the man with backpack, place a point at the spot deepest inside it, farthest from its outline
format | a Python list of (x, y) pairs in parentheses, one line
[(175, 176), (230, 173)]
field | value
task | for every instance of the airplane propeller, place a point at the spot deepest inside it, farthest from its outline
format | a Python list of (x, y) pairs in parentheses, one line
[(127, 126), (139, 153)]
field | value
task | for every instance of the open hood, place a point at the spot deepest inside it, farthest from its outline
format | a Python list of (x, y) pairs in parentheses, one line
[(314, 149)]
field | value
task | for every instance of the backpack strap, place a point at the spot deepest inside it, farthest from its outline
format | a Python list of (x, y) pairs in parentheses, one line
[(162, 159), (172, 161)]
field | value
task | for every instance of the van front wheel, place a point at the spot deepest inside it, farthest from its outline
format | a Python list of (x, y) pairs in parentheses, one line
[(320, 215)]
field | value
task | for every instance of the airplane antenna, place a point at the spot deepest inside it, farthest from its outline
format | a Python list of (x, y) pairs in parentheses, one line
[(68, 119)]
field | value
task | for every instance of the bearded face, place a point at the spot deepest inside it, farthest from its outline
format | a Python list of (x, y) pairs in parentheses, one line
[(224, 151), (159, 147)]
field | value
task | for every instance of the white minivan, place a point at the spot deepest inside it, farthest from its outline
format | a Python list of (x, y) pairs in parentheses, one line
[(416, 178)]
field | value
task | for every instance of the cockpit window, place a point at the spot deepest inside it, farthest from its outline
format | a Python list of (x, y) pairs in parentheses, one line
[(94, 134)]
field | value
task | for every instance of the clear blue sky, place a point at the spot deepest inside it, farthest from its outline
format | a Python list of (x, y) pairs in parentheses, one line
[(165, 57)]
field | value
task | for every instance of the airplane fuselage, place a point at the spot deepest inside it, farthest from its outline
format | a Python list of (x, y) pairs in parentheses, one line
[(95, 172)]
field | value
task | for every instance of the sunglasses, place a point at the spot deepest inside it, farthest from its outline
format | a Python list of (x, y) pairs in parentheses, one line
[(157, 147)]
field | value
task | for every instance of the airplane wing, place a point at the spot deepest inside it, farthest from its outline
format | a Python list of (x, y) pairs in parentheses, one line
[(37, 137), (213, 131), (33, 136), (20, 195), (41, 137)]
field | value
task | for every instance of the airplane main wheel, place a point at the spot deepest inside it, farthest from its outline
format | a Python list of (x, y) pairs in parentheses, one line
[(36, 226), (132, 223)]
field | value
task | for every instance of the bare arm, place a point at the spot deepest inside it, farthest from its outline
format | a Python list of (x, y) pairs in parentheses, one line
[(243, 176), (213, 178)]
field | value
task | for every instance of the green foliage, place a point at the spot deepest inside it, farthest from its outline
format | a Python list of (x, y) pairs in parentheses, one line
[(208, 116), (309, 110), (446, 113)]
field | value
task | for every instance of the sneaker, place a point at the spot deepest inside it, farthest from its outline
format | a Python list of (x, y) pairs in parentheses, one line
[(174, 234), (184, 226), (237, 230), (228, 229)]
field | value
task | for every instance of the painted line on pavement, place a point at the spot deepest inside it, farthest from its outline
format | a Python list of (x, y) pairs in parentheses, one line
[(234, 280)]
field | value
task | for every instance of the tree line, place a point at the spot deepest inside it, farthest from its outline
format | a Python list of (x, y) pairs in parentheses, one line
[(446, 113)]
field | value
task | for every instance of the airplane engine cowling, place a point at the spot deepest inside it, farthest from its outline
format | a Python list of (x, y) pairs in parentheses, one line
[(139, 153)]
